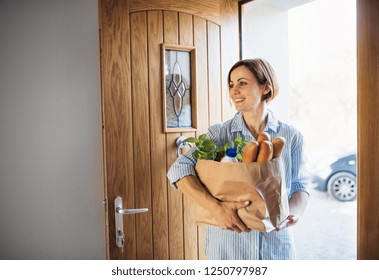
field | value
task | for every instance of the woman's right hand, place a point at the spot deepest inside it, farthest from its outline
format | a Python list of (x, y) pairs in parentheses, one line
[(227, 217), (225, 213)]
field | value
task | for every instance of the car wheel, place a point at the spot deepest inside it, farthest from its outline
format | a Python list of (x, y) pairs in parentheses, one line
[(343, 186)]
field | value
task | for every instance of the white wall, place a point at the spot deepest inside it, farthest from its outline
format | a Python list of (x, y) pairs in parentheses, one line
[(265, 35), (51, 186)]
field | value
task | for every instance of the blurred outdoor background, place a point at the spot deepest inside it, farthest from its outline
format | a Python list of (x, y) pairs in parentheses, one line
[(312, 46)]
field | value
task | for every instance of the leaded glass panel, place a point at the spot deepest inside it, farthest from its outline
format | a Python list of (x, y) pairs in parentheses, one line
[(178, 88)]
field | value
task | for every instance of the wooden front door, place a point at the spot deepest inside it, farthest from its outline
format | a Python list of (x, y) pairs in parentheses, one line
[(137, 152)]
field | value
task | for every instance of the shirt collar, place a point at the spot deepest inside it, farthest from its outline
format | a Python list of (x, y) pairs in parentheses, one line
[(238, 123), (272, 123)]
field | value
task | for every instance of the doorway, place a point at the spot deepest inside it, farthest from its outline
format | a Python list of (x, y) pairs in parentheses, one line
[(315, 59), (368, 85)]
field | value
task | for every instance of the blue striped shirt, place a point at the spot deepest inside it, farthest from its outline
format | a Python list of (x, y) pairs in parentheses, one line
[(223, 244)]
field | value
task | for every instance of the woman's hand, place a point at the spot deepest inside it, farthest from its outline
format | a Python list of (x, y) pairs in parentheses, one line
[(225, 213), (297, 205), (227, 217), (290, 221)]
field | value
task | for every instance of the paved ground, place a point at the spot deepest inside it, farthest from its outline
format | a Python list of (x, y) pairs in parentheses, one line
[(327, 230)]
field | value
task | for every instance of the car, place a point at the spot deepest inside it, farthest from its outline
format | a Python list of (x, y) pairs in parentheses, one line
[(339, 178)]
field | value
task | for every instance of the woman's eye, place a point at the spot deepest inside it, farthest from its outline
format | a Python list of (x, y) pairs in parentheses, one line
[(240, 84)]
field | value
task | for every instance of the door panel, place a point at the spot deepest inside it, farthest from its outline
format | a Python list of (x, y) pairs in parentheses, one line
[(137, 152), (175, 206), (200, 42), (207, 9), (190, 228), (157, 139), (141, 133), (175, 203), (117, 120), (214, 73)]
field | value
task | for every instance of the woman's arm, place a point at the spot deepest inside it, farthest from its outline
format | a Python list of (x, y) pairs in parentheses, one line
[(299, 196), (298, 203), (225, 213)]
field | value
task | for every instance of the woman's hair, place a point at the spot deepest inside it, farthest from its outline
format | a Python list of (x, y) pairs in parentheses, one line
[(263, 72)]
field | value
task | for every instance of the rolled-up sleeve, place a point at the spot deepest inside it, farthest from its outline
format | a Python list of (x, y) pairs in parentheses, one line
[(300, 176), (183, 166)]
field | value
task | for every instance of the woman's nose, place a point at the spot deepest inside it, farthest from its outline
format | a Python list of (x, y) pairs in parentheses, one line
[(234, 90)]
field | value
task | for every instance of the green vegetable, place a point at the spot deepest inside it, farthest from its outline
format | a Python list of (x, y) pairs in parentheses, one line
[(238, 144), (207, 148)]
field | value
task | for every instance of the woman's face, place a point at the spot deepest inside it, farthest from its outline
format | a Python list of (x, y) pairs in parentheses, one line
[(244, 90)]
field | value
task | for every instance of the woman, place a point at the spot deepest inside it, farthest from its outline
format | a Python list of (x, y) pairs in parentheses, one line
[(252, 84)]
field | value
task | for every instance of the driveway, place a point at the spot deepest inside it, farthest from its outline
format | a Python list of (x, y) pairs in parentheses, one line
[(327, 230)]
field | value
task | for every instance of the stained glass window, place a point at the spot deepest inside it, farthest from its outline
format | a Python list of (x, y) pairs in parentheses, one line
[(178, 88)]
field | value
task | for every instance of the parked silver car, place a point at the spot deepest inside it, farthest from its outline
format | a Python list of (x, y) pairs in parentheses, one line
[(339, 178)]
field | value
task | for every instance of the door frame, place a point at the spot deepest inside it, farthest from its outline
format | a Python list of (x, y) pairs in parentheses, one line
[(368, 129)]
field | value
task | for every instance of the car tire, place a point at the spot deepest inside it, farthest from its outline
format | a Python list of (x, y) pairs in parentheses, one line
[(343, 186)]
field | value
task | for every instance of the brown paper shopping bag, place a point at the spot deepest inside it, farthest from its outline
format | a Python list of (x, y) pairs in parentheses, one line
[(259, 182)]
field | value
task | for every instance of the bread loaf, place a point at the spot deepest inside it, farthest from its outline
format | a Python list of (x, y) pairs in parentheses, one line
[(278, 144), (250, 152), (265, 152), (263, 136)]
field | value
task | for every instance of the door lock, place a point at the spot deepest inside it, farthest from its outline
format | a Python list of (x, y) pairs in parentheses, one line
[(119, 212)]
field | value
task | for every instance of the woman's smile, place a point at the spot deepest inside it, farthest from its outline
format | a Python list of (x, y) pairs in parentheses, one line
[(238, 100)]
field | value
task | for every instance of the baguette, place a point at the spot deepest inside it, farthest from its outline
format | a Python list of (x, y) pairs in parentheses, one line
[(278, 144), (263, 136), (265, 152), (250, 152)]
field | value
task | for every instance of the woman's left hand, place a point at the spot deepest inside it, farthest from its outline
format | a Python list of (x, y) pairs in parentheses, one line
[(297, 205), (290, 221)]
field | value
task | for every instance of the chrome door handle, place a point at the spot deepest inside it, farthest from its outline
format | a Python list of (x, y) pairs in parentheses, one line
[(119, 212), (131, 211), (180, 144)]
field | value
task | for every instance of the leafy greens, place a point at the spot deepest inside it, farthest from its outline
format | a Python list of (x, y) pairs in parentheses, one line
[(207, 148)]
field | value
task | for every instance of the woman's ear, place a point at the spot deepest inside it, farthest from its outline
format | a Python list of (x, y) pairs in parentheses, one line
[(267, 88), (266, 92)]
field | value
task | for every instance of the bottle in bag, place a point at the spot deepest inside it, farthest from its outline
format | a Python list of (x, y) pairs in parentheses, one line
[(230, 155)]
